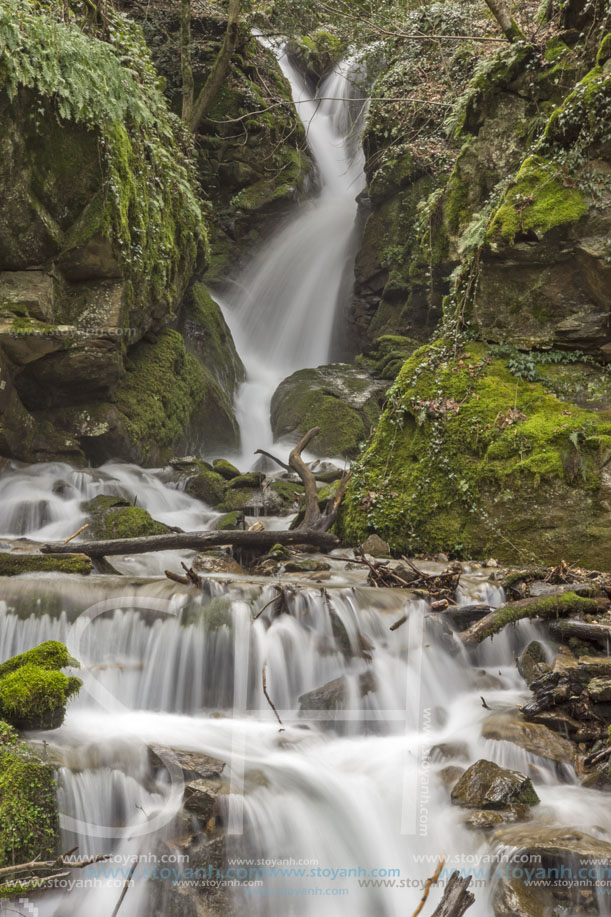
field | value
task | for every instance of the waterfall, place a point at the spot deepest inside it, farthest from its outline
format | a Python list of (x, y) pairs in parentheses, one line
[(282, 307)]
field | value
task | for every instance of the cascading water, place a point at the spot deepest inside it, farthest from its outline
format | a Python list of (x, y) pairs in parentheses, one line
[(281, 309)]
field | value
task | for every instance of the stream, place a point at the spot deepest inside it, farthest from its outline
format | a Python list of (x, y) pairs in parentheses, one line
[(349, 803)]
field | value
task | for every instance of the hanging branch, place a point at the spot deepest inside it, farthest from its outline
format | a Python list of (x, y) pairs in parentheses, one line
[(267, 697)]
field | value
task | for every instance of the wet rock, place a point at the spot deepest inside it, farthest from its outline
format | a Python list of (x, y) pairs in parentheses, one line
[(334, 695), (200, 798), (252, 479), (114, 517), (486, 819), (532, 663), (376, 546), (306, 566), (485, 785), (216, 562), (225, 469), (193, 765), (558, 720), (450, 774), (532, 737), (599, 778), (17, 564), (447, 751), (230, 521), (343, 401), (599, 690), (207, 486), (189, 464)]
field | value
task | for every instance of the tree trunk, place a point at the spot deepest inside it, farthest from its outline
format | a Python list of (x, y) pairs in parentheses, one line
[(217, 75), (185, 60), (550, 607), (197, 541), (500, 11), (314, 520)]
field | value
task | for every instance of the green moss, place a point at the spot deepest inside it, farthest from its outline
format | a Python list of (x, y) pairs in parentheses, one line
[(551, 606), (225, 469), (207, 486), (538, 201), (28, 803), (237, 499), (48, 655), (211, 339), (113, 517), (461, 450), (162, 393), (16, 564), (230, 521), (252, 479), (33, 692), (604, 51)]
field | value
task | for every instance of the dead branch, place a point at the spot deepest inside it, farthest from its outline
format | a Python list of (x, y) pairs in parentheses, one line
[(274, 459), (427, 888), (78, 532), (314, 519), (41, 865), (125, 887), (280, 595), (198, 541), (267, 697), (441, 587), (398, 623), (456, 899)]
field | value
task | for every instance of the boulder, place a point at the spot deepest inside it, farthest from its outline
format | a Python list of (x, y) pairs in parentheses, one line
[(207, 486), (200, 798), (599, 690), (532, 737), (342, 400), (33, 689), (193, 765), (225, 469), (114, 517), (216, 562), (334, 695), (306, 566), (532, 663), (485, 785), (376, 546)]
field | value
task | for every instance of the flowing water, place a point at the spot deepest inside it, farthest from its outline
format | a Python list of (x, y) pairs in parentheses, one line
[(282, 308), (339, 797)]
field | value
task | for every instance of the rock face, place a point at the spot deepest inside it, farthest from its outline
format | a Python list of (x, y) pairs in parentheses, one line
[(96, 254), (485, 785), (342, 400), (507, 226)]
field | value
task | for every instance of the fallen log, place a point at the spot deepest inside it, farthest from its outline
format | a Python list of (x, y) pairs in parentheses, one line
[(197, 541), (550, 606), (591, 633), (456, 898)]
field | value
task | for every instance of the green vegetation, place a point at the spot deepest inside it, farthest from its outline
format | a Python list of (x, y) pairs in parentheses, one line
[(465, 452), (207, 486), (16, 564), (33, 692), (114, 517), (28, 806)]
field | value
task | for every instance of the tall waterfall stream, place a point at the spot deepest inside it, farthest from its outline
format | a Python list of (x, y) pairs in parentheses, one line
[(343, 795)]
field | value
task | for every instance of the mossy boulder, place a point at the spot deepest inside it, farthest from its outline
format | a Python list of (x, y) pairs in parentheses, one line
[(114, 517), (225, 469), (29, 821), (230, 521), (208, 337), (16, 564), (485, 785), (344, 401), (33, 690), (166, 402), (316, 54), (207, 486), (471, 459), (251, 479), (238, 499)]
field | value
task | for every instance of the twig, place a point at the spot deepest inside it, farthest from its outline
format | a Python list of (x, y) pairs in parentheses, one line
[(177, 578), (398, 623), (274, 459), (427, 887), (125, 887), (267, 697), (82, 529), (271, 602), (37, 865)]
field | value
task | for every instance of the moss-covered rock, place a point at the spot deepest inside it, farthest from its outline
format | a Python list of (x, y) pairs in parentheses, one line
[(485, 785), (316, 54), (33, 692), (230, 521), (114, 517), (251, 479), (469, 458), (16, 564), (238, 499), (207, 486), (29, 820), (342, 400), (207, 335), (225, 469)]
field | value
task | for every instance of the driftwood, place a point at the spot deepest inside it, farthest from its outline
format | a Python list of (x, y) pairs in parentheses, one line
[(314, 519), (550, 606), (456, 898), (441, 587), (125, 888), (197, 541), (27, 882), (427, 888), (591, 633)]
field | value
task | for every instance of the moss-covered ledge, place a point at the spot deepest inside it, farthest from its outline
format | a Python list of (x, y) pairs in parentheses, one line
[(469, 458)]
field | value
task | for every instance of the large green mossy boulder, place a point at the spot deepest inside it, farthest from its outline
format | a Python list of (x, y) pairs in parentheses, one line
[(33, 690), (344, 401), (29, 820), (114, 517), (473, 459)]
